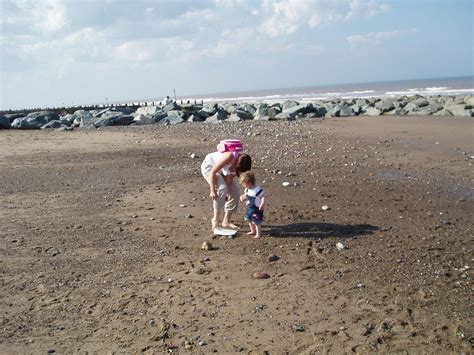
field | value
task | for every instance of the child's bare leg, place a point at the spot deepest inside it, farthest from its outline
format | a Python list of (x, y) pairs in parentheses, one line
[(258, 233), (252, 229)]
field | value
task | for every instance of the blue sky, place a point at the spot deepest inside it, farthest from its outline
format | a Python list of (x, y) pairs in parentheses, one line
[(63, 52)]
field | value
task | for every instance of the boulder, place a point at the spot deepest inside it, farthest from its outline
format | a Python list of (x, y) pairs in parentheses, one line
[(249, 108), (396, 112), (126, 110), (147, 110), (340, 111), (4, 122), (34, 120), (210, 109), (171, 106), (459, 109), (385, 105), (261, 110), (371, 111), (143, 119), (195, 118), (53, 124), (12, 116), (244, 115), (217, 117), (297, 111), (173, 119), (289, 104), (273, 111), (178, 113)]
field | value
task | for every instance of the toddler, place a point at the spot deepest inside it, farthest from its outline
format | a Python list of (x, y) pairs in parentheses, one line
[(255, 198)]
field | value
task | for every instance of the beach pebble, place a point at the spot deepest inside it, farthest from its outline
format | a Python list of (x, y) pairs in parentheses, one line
[(325, 207), (261, 275), (272, 257), (206, 246), (285, 184), (298, 328), (193, 156), (189, 216), (340, 246)]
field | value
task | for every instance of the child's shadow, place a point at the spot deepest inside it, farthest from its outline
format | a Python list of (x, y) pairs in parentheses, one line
[(319, 230)]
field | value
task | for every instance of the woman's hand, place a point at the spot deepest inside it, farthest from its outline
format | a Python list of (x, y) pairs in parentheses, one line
[(212, 195)]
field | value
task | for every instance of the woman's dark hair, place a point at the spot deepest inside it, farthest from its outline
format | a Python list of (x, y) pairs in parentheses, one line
[(243, 163)]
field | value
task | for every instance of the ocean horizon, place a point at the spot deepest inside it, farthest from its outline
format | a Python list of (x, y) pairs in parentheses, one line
[(463, 85)]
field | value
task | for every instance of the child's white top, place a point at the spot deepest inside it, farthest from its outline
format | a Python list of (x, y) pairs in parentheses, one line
[(212, 159), (256, 192)]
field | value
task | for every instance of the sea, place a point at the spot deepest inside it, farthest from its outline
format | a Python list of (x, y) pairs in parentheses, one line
[(453, 86)]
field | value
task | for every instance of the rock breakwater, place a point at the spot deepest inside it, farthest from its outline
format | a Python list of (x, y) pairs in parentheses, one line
[(174, 113)]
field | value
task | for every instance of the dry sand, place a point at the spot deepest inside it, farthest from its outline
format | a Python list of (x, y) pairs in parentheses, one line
[(101, 235)]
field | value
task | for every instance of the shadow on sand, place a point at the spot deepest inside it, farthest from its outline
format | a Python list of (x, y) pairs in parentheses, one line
[(319, 230)]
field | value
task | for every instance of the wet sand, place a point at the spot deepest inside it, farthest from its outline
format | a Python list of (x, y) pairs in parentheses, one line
[(101, 235)]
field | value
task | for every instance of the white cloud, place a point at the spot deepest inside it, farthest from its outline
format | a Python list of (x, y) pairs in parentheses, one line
[(45, 16), (288, 16), (376, 37)]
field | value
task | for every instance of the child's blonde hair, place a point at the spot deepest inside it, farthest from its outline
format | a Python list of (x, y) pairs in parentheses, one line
[(247, 177)]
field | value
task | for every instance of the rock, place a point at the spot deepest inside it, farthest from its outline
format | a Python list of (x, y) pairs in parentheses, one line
[(143, 119), (372, 111), (210, 109), (456, 110), (244, 115), (340, 246), (385, 105), (81, 118), (285, 184), (261, 110), (340, 111), (206, 246), (297, 327), (53, 124), (35, 120), (296, 111), (195, 118), (4, 122), (260, 275), (272, 257), (289, 104), (147, 110), (272, 112), (171, 106), (11, 116), (325, 207), (218, 116), (173, 119)]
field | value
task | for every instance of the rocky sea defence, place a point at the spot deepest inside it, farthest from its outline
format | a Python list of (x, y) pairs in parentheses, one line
[(175, 113)]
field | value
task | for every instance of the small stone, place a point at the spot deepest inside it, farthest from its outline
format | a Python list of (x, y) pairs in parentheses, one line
[(340, 246), (192, 156), (189, 216), (206, 246), (182, 205), (261, 275), (272, 257), (325, 207), (202, 343), (285, 184), (298, 328)]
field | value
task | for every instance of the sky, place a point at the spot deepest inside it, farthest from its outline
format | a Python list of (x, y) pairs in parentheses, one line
[(76, 52)]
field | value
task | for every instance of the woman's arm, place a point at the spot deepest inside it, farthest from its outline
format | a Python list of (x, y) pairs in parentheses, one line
[(226, 159)]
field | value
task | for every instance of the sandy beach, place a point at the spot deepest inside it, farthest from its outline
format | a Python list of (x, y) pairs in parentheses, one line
[(101, 233)]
